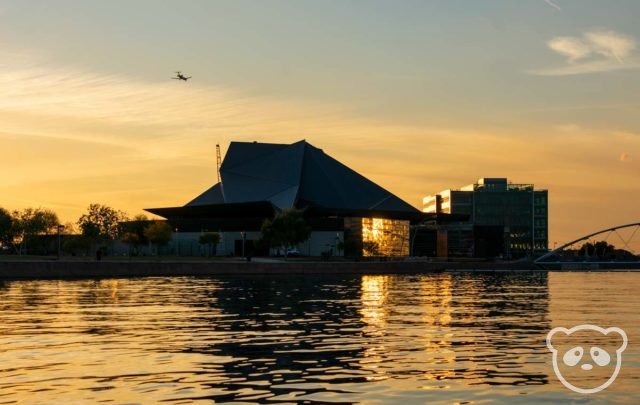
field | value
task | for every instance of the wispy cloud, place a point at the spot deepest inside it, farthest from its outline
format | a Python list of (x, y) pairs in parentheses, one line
[(552, 4), (594, 51), (573, 48), (611, 44), (568, 127), (68, 103)]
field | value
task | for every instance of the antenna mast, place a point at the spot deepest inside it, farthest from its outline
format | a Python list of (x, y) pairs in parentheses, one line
[(219, 159)]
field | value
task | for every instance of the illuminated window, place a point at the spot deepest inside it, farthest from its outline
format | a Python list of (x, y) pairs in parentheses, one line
[(385, 237)]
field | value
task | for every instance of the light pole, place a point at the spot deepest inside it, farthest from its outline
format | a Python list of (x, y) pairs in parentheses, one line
[(177, 243), (60, 229)]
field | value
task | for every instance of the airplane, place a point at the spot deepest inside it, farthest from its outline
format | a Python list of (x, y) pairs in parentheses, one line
[(180, 76)]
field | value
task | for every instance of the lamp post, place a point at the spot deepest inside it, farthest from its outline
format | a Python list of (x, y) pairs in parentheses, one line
[(60, 229), (177, 243)]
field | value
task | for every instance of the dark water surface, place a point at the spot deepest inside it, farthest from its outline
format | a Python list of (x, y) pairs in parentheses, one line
[(437, 338)]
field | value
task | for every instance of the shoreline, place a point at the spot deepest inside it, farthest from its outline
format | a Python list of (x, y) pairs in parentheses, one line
[(35, 269), (49, 268)]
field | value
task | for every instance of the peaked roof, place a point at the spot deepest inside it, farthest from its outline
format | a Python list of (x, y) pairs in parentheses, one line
[(296, 175), (211, 196)]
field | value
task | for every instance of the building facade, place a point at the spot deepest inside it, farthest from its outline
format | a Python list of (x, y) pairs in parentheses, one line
[(348, 214), (508, 220)]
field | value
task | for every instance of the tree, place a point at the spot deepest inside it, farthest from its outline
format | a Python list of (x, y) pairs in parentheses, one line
[(131, 239), (158, 233), (6, 227), (101, 223), (600, 249), (287, 229), (48, 222), (30, 222), (211, 239), (133, 231), (136, 225)]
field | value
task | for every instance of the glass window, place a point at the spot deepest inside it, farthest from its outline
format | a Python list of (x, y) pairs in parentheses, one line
[(385, 237)]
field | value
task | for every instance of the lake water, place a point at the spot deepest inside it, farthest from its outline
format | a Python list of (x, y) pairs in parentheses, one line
[(436, 338)]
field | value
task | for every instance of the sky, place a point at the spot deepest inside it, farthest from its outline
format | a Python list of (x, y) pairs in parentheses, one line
[(418, 96)]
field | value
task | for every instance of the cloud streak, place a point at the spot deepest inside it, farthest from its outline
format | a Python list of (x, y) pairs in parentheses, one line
[(593, 52), (552, 4), (72, 104)]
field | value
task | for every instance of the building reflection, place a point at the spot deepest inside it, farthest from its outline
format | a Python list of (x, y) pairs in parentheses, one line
[(301, 338), (284, 338), (308, 336), (374, 299), (484, 329)]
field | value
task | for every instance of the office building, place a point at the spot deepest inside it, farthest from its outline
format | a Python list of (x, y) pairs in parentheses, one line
[(504, 219)]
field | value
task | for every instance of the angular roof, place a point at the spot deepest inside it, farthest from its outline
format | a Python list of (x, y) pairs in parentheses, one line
[(297, 175), (211, 196)]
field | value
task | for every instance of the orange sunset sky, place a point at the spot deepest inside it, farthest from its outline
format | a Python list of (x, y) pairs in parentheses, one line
[(417, 96)]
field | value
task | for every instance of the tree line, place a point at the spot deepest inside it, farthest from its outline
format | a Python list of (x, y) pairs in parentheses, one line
[(600, 250), (18, 228), (35, 231), (29, 231)]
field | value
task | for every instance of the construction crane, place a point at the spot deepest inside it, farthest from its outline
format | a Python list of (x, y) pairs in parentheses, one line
[(219, 161)]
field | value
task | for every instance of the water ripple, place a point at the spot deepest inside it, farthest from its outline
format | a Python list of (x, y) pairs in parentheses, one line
[(441, 338)]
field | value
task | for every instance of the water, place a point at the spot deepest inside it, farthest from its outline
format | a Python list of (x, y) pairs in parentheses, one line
[(438, 338)]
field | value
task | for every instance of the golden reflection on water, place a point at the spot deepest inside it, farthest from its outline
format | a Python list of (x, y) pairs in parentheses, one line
[(447, 338), (374, 298), (114, 291), (388, 305), (436, 295)]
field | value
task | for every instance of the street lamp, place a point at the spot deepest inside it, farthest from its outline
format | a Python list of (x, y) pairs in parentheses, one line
[(177, 243)]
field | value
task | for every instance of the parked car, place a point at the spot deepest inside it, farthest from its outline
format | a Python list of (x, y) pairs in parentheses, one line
[(291, 252)]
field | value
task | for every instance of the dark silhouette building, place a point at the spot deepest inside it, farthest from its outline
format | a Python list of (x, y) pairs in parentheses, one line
[(258, 180)]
